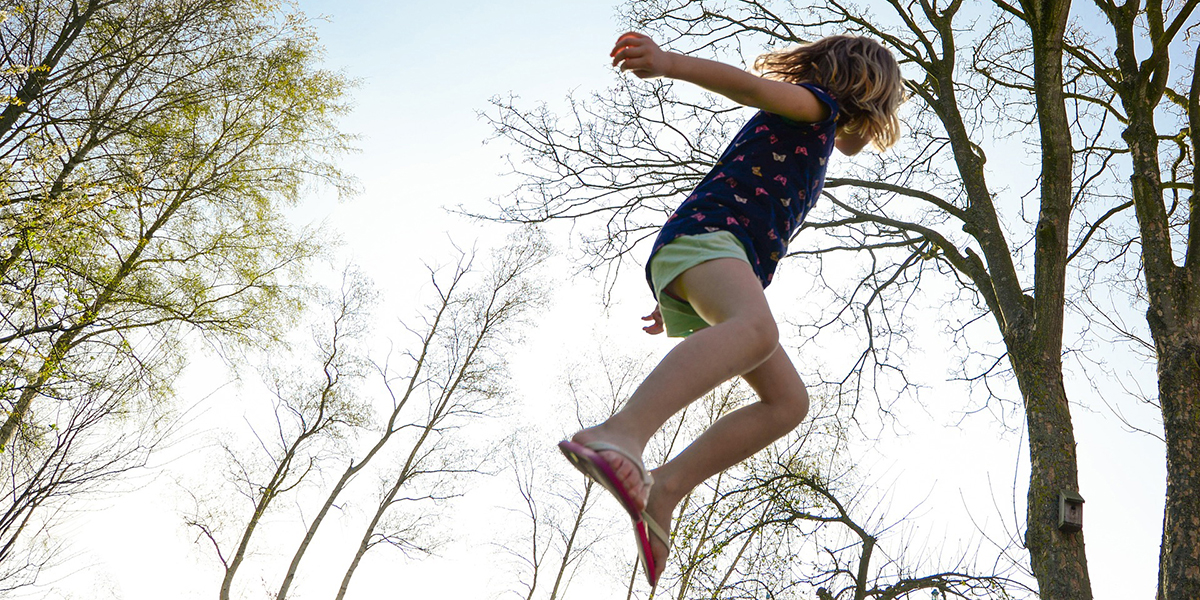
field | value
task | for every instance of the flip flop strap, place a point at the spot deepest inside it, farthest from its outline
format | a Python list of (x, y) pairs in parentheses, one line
[(647, 479), (657, 530)]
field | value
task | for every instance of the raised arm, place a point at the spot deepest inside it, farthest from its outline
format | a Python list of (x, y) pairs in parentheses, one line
[(639, 54)]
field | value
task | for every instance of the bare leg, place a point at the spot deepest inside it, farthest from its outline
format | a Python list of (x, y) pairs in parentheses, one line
[(743, 336), (783, 403)]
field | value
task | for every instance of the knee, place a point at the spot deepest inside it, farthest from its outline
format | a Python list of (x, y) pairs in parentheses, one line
[(762, 336), (795, 408), (788, 405)]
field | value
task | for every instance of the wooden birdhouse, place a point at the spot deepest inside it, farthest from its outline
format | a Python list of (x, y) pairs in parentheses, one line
[(1070, 512)]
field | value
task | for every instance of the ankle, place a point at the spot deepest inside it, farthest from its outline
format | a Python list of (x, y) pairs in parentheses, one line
[(666, 488), (606, 432)]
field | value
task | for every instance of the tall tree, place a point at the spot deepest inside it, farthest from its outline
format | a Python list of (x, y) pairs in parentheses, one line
[(564, 531), (1136, 65), (979, 76), (791, 501), (86, 446), (461, 370), (314, 414)]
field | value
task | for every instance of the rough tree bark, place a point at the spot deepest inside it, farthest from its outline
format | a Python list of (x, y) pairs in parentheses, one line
[(1058, 559)]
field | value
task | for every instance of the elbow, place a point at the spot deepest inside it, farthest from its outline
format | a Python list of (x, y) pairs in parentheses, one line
[(849, 147)]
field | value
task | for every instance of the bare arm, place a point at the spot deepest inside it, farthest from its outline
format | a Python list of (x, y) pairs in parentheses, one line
[(639, 54)]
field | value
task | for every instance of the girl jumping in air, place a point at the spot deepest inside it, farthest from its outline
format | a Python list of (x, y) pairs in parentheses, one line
[(717, 253)]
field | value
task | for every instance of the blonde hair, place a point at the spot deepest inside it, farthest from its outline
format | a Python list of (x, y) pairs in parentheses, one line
[(858, 72)]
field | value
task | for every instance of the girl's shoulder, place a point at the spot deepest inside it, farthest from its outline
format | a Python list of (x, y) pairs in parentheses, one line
[(825, 97)]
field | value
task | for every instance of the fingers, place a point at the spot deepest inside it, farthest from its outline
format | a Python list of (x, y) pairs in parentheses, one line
[(656, 327), (626, 53), (634, 52), (620, 57), (628, 36)]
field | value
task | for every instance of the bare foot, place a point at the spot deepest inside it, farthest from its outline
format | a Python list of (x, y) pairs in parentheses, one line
[(629, 473)]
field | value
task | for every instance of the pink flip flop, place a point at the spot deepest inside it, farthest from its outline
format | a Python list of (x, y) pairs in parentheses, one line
[(643, 529), (586, 458)]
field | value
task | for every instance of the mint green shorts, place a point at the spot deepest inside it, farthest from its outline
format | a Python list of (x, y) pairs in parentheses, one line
[(678, 256)]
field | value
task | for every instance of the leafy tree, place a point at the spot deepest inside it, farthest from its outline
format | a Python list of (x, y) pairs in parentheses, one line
[(148, 157), (796, 519), (149, 150), (858, 550)]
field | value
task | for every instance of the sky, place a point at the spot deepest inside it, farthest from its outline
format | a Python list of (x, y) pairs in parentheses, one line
[(425, 70)]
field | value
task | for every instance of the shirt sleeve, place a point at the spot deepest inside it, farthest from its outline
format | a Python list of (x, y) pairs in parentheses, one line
[(825, 97)]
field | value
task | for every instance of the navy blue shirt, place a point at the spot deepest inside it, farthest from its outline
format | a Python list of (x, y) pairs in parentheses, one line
[(761, 188)]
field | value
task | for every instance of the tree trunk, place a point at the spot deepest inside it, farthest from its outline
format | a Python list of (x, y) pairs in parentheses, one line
[(1179, 395), (1058, 559), (311, 532), (1174, 305)]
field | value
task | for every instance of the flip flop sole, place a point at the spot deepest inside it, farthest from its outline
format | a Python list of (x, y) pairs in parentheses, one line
[(590, 463), (645, 553)]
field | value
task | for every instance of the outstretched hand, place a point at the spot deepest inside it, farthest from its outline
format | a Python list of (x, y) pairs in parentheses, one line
[(656, 327), (638, 53)]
